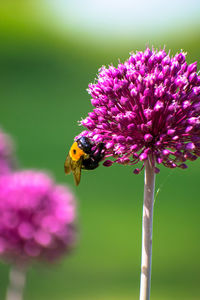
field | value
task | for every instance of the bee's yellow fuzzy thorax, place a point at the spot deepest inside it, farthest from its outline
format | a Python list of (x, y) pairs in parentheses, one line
[(75, 152)]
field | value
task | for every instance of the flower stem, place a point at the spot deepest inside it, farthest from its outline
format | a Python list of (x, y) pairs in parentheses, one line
[(16, 283), (147, 229)]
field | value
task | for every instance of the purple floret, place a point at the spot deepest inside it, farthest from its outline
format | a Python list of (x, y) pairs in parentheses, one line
[(147, 107), (36, 217)]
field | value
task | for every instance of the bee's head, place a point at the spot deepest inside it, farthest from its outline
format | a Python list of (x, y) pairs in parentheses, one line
[(85, 144)]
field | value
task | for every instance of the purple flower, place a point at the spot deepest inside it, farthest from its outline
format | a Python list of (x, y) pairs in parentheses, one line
[(36, 217), (147, 107), (7, 159)]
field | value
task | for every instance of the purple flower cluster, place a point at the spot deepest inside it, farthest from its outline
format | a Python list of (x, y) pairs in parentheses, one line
[(7, 160), (147, 107), (36, 217)]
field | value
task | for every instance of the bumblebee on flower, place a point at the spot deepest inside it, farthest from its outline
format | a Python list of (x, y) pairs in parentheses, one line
[(147, 107)]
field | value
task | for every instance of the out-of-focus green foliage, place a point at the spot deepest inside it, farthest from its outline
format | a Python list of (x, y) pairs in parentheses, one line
[(43, 81)]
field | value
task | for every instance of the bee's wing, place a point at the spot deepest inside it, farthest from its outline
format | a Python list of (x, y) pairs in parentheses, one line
[(76, 169), (68, 165)]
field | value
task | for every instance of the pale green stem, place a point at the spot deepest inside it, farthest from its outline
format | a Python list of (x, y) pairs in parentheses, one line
[(147, 229), (17, 278)]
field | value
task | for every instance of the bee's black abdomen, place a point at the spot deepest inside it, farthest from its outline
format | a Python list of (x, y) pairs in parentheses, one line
[(93, 158), (90, 164)]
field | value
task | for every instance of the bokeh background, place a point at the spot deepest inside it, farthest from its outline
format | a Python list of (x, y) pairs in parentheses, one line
[(49, 51)]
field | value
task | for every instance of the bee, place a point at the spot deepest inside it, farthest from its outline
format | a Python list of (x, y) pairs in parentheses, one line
[(82, 156)]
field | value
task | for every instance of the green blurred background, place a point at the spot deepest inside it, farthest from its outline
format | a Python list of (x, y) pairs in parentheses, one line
[(49, 52)]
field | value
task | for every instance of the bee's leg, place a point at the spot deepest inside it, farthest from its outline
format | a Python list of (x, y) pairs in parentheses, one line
[(99, 153)]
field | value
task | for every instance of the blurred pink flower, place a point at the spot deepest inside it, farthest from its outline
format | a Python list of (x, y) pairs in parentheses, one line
[(36, 217)]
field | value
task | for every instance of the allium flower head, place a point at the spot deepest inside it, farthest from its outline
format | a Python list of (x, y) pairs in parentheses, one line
[(7, 159), (147, 107), (36, 217)]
